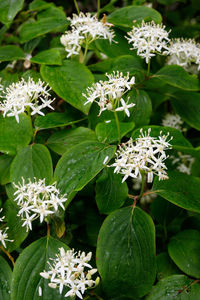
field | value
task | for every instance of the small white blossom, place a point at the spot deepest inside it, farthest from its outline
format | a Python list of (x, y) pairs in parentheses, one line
[(37, 200), (3, 233), (40, 291), (85, 29), (22, 96), (148, 39), (183, 162), (173, 120), (70, 269), (146, 154), (184, 52), (107, 94)]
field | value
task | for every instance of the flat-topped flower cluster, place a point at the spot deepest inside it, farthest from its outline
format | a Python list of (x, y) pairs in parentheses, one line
[(145, 155), (72, 270), (108, 94), (25, 95), (37, 200), (85, 29)]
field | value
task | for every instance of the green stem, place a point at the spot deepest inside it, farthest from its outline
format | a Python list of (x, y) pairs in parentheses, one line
[(77, 8), (118, 127), (85, 52), (142, 187), (98, 7), (148, 68)]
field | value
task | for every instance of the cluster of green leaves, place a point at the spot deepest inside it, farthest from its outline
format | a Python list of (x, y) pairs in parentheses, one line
[(69, 146)]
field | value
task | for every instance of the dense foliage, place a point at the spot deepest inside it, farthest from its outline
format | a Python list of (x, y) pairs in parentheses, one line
[(99, 150)]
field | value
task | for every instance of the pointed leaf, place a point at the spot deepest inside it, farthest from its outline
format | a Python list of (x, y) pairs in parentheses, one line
[(9, 9), (47, 57), (11, 52), (126, 253), (69, 81)]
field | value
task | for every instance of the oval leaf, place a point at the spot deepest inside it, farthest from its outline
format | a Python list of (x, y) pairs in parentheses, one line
[(47, 57), (9, 9), (178, 192), (126, 253), (11, 52), (69, 81), (11, 133), (108, 133), (5, 279), (184, 249), (178, 77), (26, 275), (81, 164), (176, 287), (110, 191), (124, 17), (32, 161)]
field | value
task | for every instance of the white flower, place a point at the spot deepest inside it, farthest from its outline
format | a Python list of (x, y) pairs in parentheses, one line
[(37, 200), (3, 233), (72, 270), (173, 120), (184, 52), (146, 154), (183, 162), (22, 96), (107, 94), (85, 29), (149, 39)]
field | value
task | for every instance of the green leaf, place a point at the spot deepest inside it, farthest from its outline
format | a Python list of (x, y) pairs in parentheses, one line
[(184, 249), (55, 119), (141, 112), (126, 253), (178, 192), (80, 164), (176, 287), (52, 19), (26, 275), (114, 49), (5, 279), (178, 138), (15, 230), (47, 57), (9, 9), (62, 141), (39, 5), (11, 52), (11, 133), (111, 193), (108, 133), (165, 266), (69, 81), (178, 77), (124, 17), (5, 162), (32, 161), (187, 105)]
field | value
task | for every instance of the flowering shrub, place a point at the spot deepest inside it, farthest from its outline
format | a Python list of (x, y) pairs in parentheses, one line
[(99, 150)]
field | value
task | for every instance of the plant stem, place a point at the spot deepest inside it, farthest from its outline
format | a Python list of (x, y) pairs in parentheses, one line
[(98, 7), (8, 254), (148, 68), (77, 8), (48, 230), (142, 187), (85, 52), (118, 127)]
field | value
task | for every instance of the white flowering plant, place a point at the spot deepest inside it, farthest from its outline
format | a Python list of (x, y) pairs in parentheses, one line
[(99, 150)]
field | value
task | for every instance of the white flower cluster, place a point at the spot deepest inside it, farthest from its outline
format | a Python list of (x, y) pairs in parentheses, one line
[(145, 155), (70, 269), (183, 162), (173, 120), (37, 200), (108, 94), (184, 53), (22, 96), (149, 39), (85, 29), (3, 233)]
